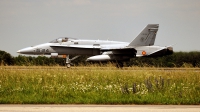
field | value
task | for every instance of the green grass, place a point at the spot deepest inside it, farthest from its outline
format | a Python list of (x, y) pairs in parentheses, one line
[(98, 85)]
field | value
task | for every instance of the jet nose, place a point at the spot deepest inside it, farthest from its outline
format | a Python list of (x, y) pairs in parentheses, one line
[(18, 51), (28, 50)]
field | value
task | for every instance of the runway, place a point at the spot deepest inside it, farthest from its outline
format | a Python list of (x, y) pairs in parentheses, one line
[(95, 68), (99, 108)]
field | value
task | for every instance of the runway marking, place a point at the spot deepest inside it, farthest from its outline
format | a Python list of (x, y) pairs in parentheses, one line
[(100, 108)]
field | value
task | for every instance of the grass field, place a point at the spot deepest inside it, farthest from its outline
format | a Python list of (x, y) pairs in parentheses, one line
[(99, 85)]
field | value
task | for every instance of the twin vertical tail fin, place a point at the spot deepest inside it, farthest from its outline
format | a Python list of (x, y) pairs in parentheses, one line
[(146, 37)]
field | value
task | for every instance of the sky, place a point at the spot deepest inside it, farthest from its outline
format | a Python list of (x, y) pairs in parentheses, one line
[(25, 23)]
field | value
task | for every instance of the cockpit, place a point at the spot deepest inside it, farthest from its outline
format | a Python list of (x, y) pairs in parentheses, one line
[(62, 39)]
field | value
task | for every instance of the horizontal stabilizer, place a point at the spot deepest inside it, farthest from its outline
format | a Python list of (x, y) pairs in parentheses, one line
[(161, 52)]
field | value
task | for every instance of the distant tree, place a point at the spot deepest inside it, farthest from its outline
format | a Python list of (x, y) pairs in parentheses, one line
[(178, 59), (20, 60), (5, 58)]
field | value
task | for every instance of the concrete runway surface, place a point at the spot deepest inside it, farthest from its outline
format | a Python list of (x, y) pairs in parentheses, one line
[(99, 108)]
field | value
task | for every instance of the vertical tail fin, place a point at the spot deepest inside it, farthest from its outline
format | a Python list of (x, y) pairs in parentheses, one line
[(146, 37)]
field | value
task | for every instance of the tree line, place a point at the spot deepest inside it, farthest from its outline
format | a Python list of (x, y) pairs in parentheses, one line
[(177, 59)]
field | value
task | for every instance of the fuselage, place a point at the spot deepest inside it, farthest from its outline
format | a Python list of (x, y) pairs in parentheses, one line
[(80, 47), (70, 44)]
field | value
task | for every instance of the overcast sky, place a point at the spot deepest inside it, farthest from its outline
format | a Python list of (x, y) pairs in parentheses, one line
[(25, 23)]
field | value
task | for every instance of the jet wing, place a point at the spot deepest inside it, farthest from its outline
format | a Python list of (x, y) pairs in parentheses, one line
[(77, 46), (121, 51), (88, 48), (117, 50), (77, 49)]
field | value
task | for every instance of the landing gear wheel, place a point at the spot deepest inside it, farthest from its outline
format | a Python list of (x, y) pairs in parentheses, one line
[(68, 61), (68, 65)]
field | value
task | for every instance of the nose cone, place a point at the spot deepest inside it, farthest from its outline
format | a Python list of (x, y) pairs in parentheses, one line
[(18, 51), (28, 50)]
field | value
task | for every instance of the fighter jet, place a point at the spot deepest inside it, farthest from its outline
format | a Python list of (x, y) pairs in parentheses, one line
[(103, 50)]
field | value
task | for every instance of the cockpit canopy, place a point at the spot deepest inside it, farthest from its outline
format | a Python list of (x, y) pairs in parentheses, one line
[(62, 39)]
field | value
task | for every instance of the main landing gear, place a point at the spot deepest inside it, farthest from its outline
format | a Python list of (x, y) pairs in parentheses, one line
[(68, 61)]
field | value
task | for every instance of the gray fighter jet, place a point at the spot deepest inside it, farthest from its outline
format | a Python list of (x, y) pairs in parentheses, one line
[(103, 50)]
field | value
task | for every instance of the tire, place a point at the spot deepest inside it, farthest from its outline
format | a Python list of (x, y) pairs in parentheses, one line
[(68, 65)]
